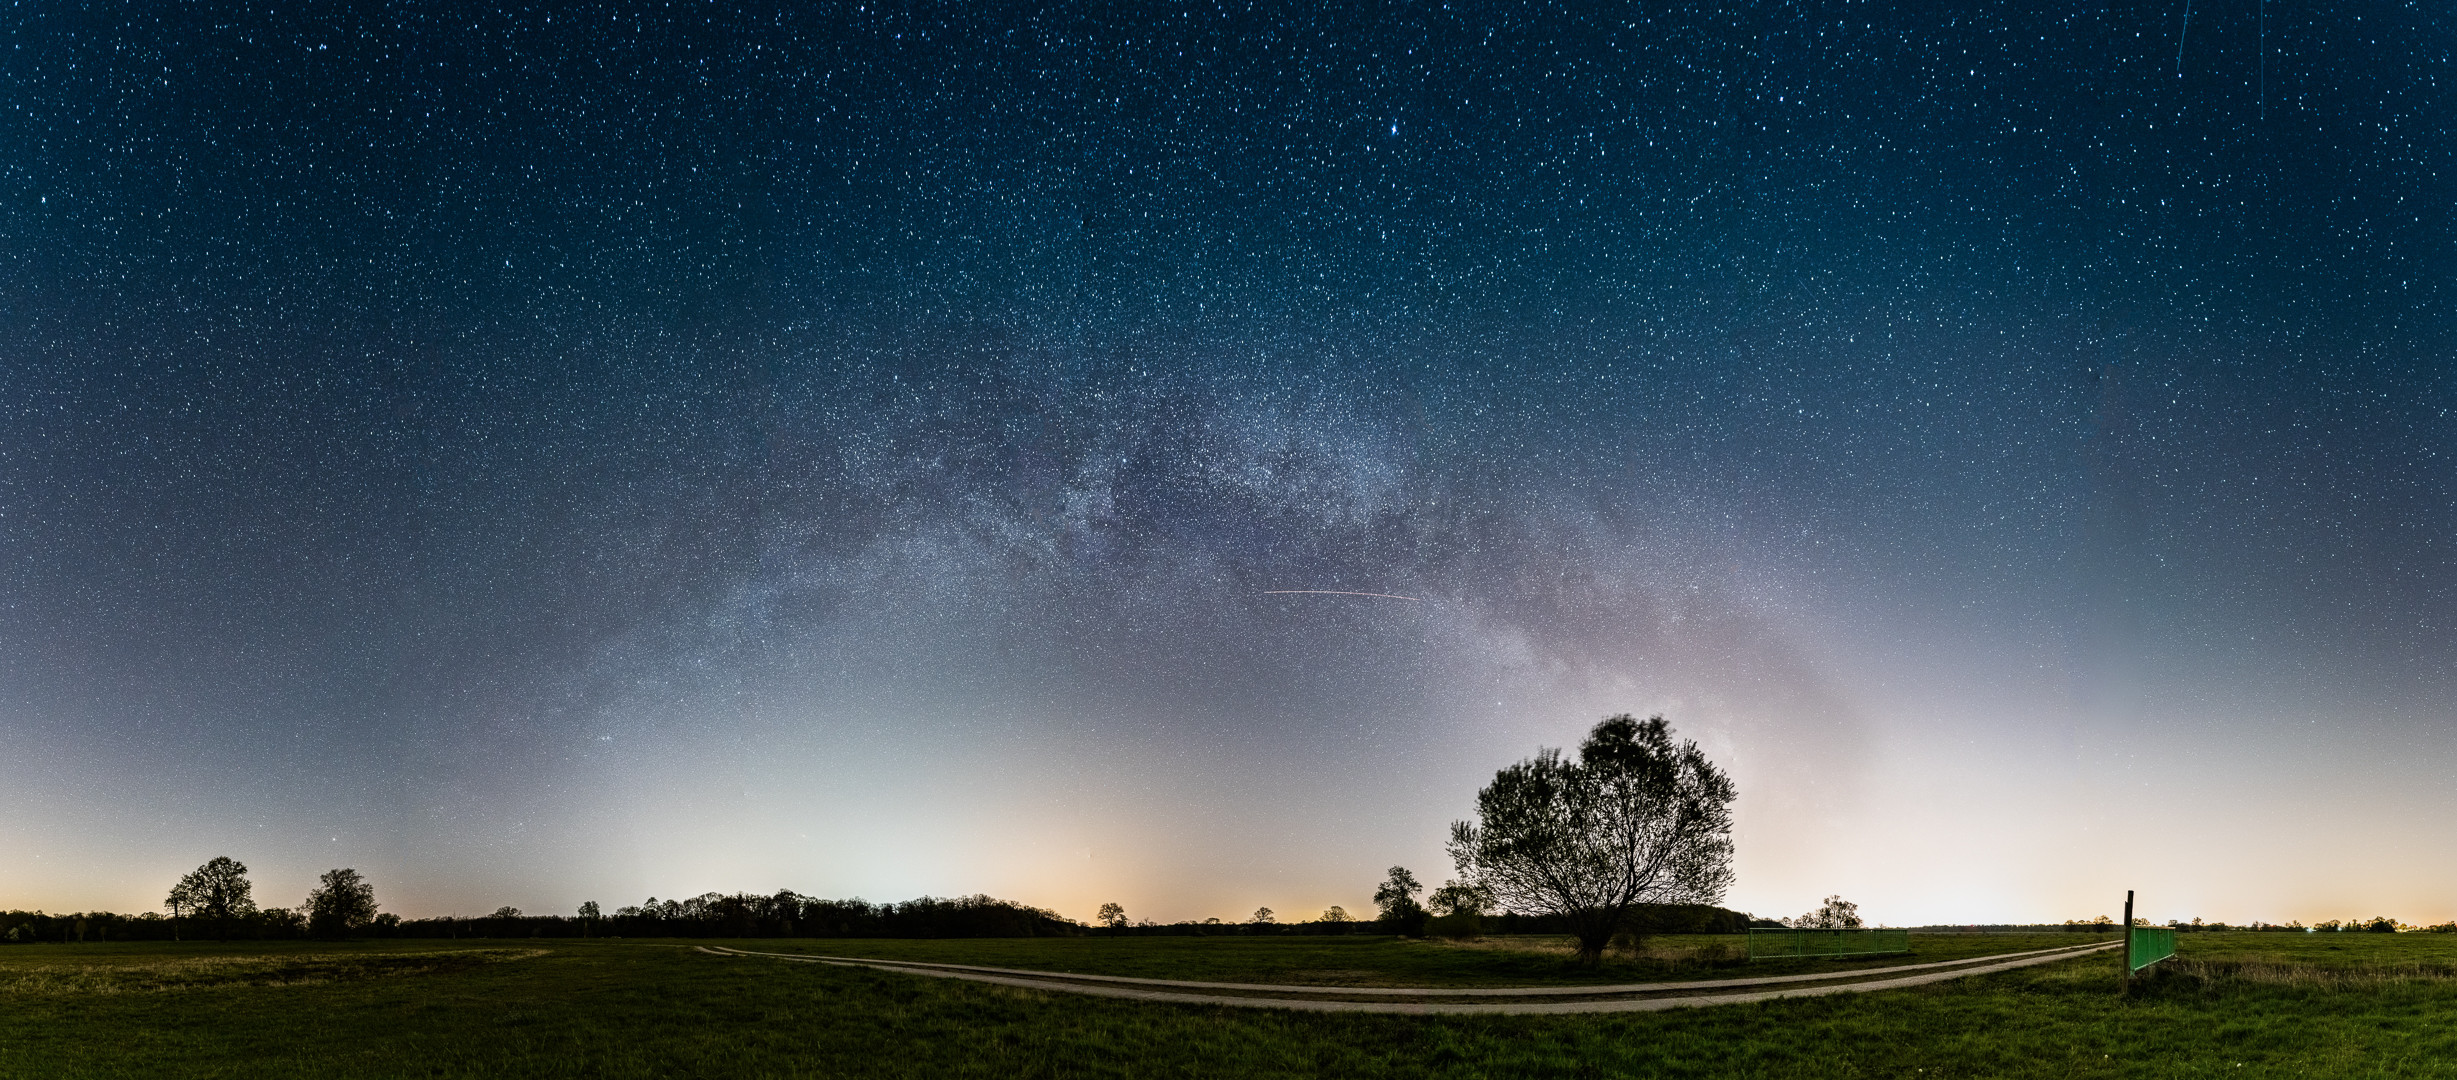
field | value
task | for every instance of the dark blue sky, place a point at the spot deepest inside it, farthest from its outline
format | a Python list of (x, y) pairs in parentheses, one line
[(536, 454)]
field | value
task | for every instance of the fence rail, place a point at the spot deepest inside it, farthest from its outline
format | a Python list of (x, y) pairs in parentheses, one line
[(2148, 945)]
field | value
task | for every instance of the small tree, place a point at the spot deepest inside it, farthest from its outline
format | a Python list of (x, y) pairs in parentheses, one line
[(341, 902), (1460, 898), (1396, 899), (1835, 914), (588, 916), (1458, 910), (179, 903), (1113, 916), (218, 890), (1338, 918), (1635, 820), (1262, 916)]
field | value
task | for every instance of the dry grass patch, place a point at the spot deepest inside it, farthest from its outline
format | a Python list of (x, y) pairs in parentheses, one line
[(1337, 977), (147, 974), (1521, 943), (2308, 976), (1668, 953)]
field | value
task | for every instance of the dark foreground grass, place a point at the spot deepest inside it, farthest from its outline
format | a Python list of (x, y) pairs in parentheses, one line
[(2237, 1005)]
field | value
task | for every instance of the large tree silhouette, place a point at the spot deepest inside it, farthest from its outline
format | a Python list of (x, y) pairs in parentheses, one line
[(341, 902), (1635, 820), (218, 890)]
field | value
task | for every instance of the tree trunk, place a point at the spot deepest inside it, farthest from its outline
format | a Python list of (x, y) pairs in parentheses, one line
[(1591, 949), (1594, 930)]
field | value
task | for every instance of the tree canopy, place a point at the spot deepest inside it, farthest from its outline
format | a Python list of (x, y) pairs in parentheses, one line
[(1395, 898), (1634, 820), (1835, 914), (341, 903), (1460, 898), (217, 891)]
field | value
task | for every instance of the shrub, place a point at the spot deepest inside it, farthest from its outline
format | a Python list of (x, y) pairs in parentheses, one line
[(1464, 925)]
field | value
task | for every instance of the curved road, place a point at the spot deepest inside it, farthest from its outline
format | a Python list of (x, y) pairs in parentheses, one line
[(1118, 986)]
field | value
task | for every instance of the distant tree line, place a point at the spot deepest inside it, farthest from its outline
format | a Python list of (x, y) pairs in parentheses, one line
[(781, 914), (2377, 924), (1642, 919), (784, 913), (31, 927), (217, 900), (748, 915), (1465, 919), (713, 915)]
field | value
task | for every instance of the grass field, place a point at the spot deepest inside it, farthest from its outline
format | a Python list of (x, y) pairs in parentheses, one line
[(1380, 961), (2323, 1005)]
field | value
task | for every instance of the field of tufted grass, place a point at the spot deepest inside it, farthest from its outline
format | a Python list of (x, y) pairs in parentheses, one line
[(2232, 1004)]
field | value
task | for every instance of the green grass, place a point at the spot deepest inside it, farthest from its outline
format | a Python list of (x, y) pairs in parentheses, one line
[(2229, 1005), (1383, 961), (82, 971)]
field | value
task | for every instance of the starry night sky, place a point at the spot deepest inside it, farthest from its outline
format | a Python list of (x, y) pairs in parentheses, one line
[(536, 454)]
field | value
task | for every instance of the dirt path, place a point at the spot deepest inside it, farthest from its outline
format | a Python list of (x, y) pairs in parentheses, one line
[(1118, 986), (1318, 989)]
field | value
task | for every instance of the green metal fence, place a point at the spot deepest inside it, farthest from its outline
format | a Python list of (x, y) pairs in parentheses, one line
[(1765, 943), (2148, 945)]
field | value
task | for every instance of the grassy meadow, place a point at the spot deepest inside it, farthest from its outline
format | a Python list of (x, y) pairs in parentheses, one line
[(2323, 1005), (1383, 961)]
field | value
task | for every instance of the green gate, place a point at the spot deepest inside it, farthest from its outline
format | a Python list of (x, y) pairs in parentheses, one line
[(1768, 943), (2148, 945)]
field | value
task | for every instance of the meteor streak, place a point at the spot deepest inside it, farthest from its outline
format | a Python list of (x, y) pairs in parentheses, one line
[(1338, 592)]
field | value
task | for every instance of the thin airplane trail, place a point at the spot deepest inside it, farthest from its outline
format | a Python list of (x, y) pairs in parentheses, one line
[(2184, 33), (1338, 592)]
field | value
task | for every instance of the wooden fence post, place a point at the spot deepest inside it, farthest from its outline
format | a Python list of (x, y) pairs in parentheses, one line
[(2124, 948)]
